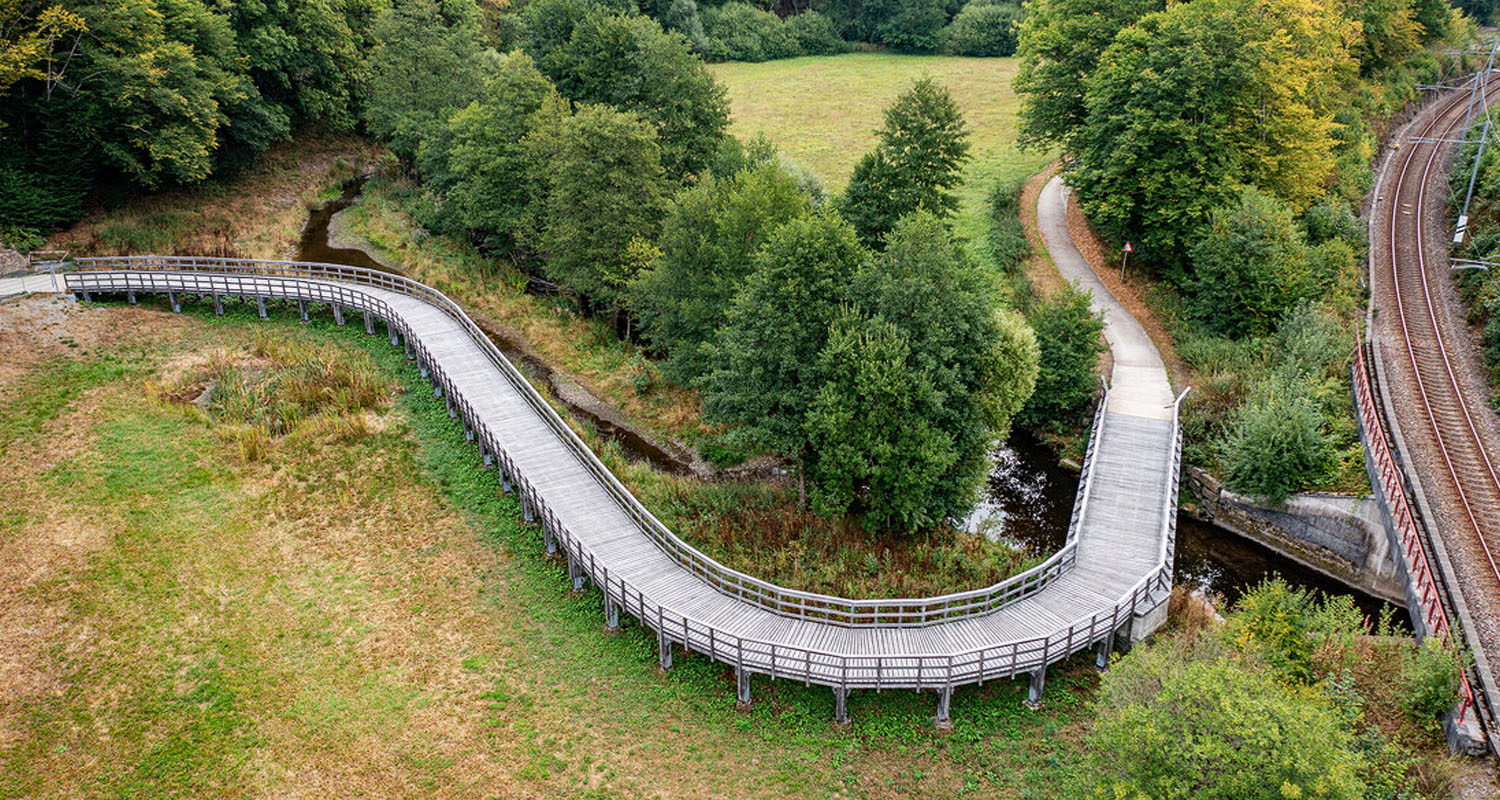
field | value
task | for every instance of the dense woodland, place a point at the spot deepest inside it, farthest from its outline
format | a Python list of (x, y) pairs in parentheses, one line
[(1231, 142), (585, 142)]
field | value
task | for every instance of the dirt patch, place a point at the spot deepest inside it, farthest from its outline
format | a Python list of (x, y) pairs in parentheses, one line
[(1130, 293), (42, 327)]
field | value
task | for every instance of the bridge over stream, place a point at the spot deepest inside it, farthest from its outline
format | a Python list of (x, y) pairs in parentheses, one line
[(1110, 580)]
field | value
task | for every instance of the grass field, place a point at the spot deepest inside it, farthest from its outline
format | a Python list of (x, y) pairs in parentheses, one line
[(822, 111), (355, 611)]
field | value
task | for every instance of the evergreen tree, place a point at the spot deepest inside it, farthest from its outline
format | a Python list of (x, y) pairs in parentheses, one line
[(916, 164)]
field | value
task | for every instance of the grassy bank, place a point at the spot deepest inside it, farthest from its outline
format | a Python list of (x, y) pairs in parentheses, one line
[(360, 613), (822, 111), (256, 214)]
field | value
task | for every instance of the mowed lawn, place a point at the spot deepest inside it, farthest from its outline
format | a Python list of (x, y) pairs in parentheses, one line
[(354, 610), (823, 112)]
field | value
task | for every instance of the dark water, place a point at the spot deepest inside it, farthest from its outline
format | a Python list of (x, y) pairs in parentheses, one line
[(314, 243), (1030, 501)]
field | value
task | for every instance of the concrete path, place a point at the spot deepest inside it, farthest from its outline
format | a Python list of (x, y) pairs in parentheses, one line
[(1138, 385), (28, 284)]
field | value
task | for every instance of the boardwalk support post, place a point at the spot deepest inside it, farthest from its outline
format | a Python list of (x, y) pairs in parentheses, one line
[(663, 651), (390, 329), (171, 298), (218, 305), (302, 310), (611, 614), (945, 704), (411, 355), (742, 689), (369, 325), (575, 572), (338, 315), (1106, 648), (468, 431), (130, 296), (841, 705), (504, 481), (260, 306), (422, 367), (1122, 638), (484, 452), (452, 414), (1033, 699), (547, 538), (528, 517)]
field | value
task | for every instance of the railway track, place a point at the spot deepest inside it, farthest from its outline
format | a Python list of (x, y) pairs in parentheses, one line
[(1439, 393)]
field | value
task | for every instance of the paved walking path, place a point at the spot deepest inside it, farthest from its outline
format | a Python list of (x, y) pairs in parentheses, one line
[(1138, 385)]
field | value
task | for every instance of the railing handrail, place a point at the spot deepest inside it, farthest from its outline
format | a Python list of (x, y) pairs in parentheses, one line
[(1419, 568), (784, 601), (947, 669)]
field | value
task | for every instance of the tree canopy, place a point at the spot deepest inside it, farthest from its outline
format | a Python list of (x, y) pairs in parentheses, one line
[(916, 163)]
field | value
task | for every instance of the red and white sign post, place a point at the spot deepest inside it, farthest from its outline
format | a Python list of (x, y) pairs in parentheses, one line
[(1124, 257)]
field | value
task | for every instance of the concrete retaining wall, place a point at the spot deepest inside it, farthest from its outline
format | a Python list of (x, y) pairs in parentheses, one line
[(1340, 536)]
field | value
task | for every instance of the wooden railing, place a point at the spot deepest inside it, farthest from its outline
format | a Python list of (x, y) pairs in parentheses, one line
[(1427, 592), (332, 284)]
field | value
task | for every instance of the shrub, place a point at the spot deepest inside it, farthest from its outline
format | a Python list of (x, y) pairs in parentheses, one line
[(1216, 729), (742, 32), (1429, 679), (915, 26), (1251, 266), (815, 34), (1277, 443), (1332, 218), (1068, 332), (983, 30)]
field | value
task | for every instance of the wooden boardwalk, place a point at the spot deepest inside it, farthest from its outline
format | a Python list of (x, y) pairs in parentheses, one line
[(1110, 580)]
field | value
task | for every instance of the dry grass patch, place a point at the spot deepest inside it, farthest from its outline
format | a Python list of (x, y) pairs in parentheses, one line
[(257, 214)]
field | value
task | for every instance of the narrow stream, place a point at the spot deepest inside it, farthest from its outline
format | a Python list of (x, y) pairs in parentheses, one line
[(1028, 498)]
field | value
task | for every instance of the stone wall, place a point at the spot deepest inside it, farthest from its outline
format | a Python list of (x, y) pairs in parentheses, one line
[(1340, 536)]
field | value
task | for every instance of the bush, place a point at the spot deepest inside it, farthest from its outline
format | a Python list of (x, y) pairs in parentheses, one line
[(1429, 679), (915, 26), (1252, 265), (815, 34), (742, 32), (1277, 443), (1068, 331), (983, 30), (1332, 218), (1216, 729)]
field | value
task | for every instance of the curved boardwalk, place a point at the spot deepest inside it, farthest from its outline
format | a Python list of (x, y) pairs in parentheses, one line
[(1114, 571)]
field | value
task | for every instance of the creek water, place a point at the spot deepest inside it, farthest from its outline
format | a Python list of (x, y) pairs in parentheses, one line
[(1028, 499)]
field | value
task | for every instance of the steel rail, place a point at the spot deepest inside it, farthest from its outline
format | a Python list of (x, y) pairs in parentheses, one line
[(1407, 336)]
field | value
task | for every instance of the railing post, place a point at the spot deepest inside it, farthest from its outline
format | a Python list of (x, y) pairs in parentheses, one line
[(611, 612), (575, 571), (663, 646)]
